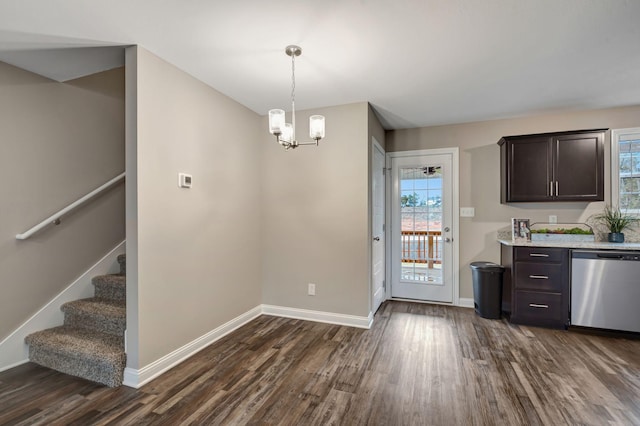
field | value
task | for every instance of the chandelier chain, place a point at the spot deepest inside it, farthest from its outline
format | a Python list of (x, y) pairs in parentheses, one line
[(293, 96), (293, 78)]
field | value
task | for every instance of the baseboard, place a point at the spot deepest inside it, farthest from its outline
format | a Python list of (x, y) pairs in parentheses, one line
[(137, 378), (13, 350), (465, 302), (319, 316)]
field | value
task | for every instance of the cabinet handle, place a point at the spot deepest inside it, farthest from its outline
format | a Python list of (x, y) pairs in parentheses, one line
[(538, 255), (539, 277), (557, 193), (551, 189), (537, 305)]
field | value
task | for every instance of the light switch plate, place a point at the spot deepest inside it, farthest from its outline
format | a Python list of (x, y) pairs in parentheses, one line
[(184, 180), (467, 211)]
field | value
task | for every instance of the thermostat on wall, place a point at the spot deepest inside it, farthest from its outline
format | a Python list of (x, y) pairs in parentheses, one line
[(184, 180)]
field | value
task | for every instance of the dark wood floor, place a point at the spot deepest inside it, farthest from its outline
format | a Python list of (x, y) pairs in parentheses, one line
[(419, 365)]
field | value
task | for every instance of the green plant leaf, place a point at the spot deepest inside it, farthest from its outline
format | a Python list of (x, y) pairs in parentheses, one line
[(615, 220)]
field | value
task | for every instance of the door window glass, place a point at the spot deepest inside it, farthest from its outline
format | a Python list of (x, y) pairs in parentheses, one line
[(421, 223)]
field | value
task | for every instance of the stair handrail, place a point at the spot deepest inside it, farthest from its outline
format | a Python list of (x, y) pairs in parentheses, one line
[(55, 218)]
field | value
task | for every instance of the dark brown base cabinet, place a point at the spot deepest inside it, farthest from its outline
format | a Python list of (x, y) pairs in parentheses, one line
[(566, 166), (536, 285)]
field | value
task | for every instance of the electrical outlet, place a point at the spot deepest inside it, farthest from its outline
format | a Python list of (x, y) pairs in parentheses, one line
[(553, 218), (311, 289)]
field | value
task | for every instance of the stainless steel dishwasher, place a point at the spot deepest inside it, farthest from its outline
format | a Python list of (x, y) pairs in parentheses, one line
[(605, 289)]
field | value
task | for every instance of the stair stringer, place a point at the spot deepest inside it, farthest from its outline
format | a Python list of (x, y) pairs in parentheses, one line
[(14, 351)]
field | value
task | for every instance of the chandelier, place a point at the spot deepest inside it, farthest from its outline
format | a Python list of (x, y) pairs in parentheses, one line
[(284, 132)]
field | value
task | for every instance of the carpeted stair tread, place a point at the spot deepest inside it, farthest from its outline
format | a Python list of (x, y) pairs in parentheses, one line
[(79, 341), (95, 306), (112, 286), (106, 315), (85, 353)]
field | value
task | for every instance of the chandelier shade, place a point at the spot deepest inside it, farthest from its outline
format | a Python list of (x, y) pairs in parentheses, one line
[(316, 127), (276, 121)]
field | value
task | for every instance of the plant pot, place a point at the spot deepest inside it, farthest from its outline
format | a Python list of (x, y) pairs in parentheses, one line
[(615, 237)]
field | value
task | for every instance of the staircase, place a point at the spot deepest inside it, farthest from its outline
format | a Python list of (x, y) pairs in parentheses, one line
[(90, 344)]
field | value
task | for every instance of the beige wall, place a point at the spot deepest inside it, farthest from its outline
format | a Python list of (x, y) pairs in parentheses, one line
[(59, 141), (198, 250), (480, 174), (315, 224)]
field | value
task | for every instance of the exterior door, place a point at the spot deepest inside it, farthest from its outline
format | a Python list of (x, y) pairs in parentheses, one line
[(422, 222), (378, 227)]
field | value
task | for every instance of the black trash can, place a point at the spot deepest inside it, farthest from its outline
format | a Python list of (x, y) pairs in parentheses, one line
[(487, 288)]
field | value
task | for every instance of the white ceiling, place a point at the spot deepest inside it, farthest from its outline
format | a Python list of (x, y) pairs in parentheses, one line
[(419, 62)]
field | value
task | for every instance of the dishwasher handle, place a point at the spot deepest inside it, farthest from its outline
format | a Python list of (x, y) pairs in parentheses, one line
[(609, 256)]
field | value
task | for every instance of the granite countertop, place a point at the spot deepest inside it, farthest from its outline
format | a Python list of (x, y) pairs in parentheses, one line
[(602, 245)]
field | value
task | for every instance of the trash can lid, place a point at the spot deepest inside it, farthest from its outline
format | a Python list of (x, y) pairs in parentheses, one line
[(487, 266)]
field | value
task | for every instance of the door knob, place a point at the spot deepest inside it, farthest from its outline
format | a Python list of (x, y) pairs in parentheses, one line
[(376, 239), (447, 240)]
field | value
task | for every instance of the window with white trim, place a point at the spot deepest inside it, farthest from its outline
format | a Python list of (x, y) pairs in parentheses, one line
[(625, 169)]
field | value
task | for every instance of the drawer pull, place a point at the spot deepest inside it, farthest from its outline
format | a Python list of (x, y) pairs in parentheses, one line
[(539, 277), (538, 255), (537, 305)]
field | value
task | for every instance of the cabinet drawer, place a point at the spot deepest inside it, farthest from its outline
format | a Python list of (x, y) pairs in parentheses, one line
[(539, 276), (538, 308), (541, 254)]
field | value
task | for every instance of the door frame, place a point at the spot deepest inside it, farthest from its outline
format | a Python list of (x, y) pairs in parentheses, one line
[(390, 231), (376, 145)]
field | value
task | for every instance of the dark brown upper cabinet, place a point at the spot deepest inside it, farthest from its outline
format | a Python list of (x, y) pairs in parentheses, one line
[(564, 166)]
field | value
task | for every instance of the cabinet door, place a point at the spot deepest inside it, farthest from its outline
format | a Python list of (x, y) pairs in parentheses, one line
[(529, 169), (579, 167)]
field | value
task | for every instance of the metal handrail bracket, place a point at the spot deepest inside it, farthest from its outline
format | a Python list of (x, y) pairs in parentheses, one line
[(55, 218)]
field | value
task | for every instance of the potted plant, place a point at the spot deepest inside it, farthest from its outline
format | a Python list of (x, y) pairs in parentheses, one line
[(616, 222)]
